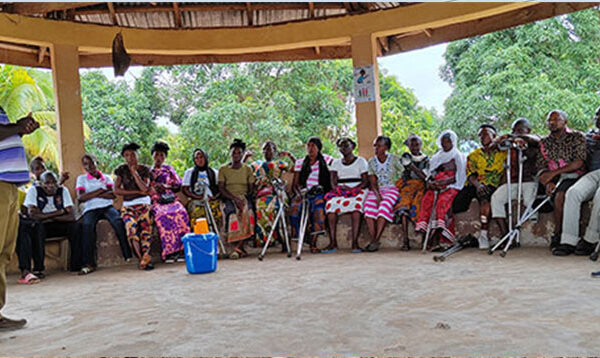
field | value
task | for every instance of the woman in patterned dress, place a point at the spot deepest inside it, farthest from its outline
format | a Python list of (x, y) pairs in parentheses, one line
[(350, 181), (170, 216)]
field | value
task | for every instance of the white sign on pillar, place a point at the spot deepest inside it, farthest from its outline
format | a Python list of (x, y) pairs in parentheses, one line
[(364, 84)]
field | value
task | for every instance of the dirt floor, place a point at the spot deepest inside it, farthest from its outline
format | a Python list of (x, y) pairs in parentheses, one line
[(386, 303)]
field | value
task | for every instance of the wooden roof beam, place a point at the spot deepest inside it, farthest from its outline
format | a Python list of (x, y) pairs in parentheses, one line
[(250, 14), (113, 14), (433, 36), (31, 8), (311, 10), (177, 13)]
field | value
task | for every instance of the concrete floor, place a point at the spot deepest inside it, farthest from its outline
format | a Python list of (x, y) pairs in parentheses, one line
[(386, 303)]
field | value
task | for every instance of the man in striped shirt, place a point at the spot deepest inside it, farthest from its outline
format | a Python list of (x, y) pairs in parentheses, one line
[(13, 173)]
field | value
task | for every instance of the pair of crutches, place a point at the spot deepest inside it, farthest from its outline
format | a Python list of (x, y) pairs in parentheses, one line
[(432, 219), (513, 234), (529, 212), (280, 218), (303, 223), (201, 187)]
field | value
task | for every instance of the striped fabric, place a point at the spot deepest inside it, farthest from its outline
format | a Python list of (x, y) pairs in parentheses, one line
[(13, 163), (313, 178), (385, 209)]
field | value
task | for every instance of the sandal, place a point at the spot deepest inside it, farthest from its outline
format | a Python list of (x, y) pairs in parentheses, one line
[(329, 251), (356, 251), (29, 279), (39, 275), (314, 250), (86, 270), (149, 267), (234, 255)]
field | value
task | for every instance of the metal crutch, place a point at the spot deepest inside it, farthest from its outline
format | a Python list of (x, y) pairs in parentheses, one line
[(303, 224), (462, 243), (507, 145), (201, 187), (430, 223), (594, 255), (280, 218)]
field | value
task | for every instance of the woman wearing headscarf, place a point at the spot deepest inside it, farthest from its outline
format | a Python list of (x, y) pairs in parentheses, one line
[(236, 185), (447, 175), (264, 171), (384, 170), (133, 184), (199, 181), (170, 216), (350, 182), (411, 186), (311, 173)]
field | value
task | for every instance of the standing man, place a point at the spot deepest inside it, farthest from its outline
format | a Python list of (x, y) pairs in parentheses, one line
[(563, 151), (13, 172), (585, 189), (485, 170)]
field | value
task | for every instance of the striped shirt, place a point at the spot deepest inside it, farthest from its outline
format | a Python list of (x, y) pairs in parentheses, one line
[(313, 178), (13, 163)]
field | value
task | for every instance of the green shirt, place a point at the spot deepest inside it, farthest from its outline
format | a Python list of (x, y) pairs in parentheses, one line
[(236, 180)]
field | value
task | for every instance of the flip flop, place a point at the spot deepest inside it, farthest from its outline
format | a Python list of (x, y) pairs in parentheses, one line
[(29, 279), (330, 251), (357, 251), (373, 247)]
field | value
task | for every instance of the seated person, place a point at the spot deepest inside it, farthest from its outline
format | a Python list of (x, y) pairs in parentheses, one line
[(37, 166), (485, 169), (562, 151), (384, 170), (170, 216), (350, 182), (50, 207), (133, 183), (521, 136), (411, 186), (264, 171), (311, 174), (197, 182), (586, 188), (236, 185), (447, 175), (95, 192)]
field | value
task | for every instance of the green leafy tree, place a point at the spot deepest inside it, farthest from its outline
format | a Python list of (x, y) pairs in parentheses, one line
[(118, 114), (525, 71)]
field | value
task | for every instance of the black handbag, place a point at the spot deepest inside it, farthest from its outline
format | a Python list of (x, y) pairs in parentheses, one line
[(167, 198)]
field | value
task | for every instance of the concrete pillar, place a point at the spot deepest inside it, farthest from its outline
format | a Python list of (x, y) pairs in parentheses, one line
[(67, 97), (368, 114)]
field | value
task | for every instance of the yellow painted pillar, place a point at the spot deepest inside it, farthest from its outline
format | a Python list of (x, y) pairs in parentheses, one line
[(368, 114), (67, 97)]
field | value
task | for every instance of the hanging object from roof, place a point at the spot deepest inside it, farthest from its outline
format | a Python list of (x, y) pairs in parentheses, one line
[(120, 58)]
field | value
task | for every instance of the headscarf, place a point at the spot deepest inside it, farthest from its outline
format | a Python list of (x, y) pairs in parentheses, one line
[(442, 157), (212, 181), (415, 158), (324, 175)]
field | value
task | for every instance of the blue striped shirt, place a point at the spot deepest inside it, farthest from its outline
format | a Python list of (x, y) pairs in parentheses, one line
[(13, 162)]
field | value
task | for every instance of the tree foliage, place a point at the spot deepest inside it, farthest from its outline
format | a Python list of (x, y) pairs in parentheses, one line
[(525, 72), (118, 114)]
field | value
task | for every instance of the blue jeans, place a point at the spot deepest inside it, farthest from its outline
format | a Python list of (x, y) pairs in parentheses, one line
[(88, 239)]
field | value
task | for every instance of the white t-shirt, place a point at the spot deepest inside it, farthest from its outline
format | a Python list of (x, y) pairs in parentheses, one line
[(88, 183), (352, 171), (313, 178), (31, 200), (202, 177)]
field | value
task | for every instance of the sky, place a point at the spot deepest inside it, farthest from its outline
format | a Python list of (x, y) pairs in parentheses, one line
[(417, 70)]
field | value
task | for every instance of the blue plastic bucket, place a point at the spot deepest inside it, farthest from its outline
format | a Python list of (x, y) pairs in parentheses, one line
[(200, 252)]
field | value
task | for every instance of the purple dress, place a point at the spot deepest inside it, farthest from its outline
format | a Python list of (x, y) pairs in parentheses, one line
[(171, 219)]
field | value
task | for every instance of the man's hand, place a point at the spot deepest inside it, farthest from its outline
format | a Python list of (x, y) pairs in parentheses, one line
[(27, 125), (546, 177), (64, 176), (550, 188)]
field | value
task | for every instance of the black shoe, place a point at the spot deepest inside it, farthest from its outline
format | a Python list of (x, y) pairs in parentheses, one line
[(563, 250), (554, 242), (40, 274), (584, 248), (7, 324)]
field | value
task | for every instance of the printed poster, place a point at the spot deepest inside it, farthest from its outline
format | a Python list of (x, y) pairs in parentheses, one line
[(364, 85)]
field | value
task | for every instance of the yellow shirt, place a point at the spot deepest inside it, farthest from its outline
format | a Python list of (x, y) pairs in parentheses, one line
[(488, 167)]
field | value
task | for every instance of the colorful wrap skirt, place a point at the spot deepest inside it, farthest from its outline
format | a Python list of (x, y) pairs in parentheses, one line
[(196, 211), (237, 225), (138, 224), (342, 201), (409, 201), (385, 208), (172, 222), (316, 214), (444, 218)]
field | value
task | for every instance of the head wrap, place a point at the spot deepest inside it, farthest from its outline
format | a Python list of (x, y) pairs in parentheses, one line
[(442, 157)]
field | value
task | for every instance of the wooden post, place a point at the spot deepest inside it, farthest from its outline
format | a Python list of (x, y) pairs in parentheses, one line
[(67, 97), (368, 114)]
